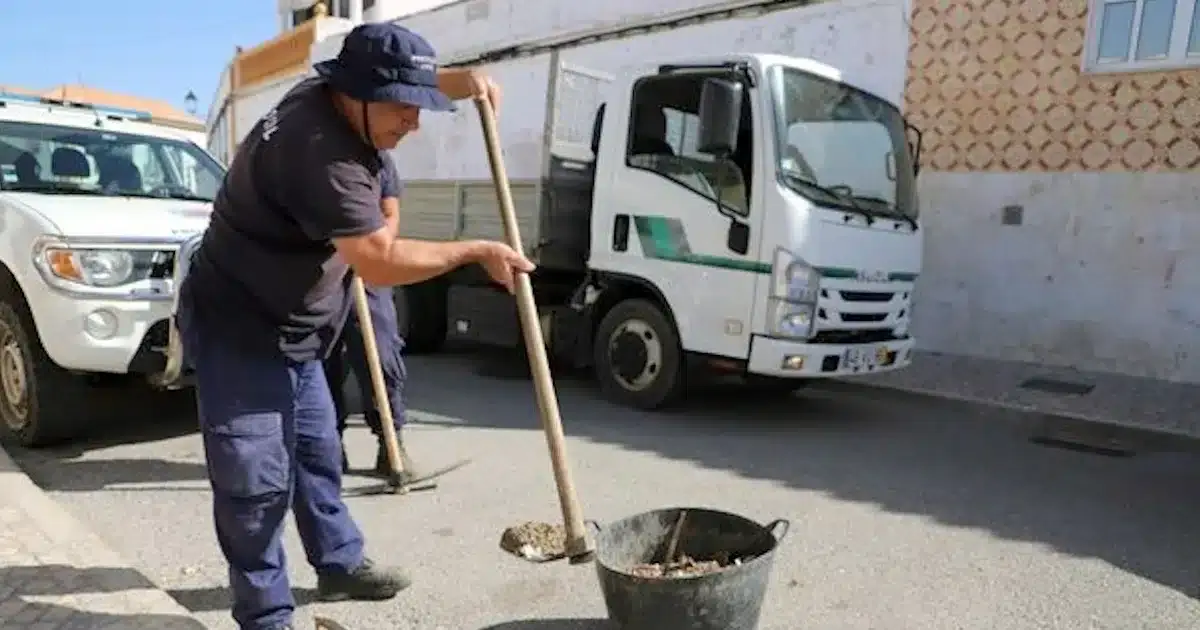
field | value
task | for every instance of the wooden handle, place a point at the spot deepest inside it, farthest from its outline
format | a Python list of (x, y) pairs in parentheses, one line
[(367, 326), (577, 543)]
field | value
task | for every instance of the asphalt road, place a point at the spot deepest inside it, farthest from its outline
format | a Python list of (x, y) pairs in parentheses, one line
[(906, 514)]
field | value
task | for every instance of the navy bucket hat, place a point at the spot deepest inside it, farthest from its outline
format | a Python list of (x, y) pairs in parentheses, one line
[(385, 62)]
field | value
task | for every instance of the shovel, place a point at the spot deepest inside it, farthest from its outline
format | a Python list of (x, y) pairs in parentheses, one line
[(577, 547)]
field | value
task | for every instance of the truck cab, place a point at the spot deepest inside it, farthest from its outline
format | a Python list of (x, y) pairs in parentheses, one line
[(95, 203), (753, 214), (771, 205)]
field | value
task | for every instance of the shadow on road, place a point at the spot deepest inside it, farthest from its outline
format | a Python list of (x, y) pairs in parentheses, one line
[(120, 416), (30, 595), (962, 465), (220, 598), (554, 624)]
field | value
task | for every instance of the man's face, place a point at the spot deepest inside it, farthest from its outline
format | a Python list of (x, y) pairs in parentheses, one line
[(390, 122)]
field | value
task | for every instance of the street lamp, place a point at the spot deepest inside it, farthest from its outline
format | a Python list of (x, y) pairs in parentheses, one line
[(189, 102)]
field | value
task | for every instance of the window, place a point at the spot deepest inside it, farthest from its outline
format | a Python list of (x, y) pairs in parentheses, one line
[(663, 132), (57, 160), (1143, 34), (842, 147), (368, 5)]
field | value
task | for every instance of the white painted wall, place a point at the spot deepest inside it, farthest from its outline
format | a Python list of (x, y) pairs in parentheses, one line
[(451, 146), (1103, 274)]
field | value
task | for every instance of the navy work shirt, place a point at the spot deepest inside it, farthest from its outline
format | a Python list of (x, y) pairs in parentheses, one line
[(266, 275)]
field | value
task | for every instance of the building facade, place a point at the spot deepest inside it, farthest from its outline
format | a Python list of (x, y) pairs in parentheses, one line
[(1059, 188)]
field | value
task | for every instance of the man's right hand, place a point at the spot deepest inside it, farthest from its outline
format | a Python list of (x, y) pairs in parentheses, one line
[(502, 263)]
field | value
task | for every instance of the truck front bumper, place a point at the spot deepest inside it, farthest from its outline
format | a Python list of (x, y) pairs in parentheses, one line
[(791, 359)]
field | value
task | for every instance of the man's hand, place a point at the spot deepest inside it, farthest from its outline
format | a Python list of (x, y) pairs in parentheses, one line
[(484, 88), (464, 83), (502, 263)]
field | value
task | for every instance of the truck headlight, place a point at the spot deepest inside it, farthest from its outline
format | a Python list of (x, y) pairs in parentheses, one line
[(99, 267), (794, 280), (785, 319)]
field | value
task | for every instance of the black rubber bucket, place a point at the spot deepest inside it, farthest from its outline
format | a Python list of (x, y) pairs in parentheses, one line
[(729, 599)]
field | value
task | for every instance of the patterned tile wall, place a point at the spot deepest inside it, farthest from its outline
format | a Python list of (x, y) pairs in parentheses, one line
[(995, 85)]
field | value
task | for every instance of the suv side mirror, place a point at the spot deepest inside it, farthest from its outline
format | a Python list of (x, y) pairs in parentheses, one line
[(720, 117)]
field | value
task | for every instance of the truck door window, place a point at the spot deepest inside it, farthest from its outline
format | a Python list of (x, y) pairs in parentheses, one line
[(663, 131)]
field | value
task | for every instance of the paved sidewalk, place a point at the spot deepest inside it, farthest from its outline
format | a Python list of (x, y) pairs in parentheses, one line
[(1141, 404), (55, 574)]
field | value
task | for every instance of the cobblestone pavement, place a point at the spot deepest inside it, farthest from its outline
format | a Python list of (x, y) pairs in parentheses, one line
[(55, 574)]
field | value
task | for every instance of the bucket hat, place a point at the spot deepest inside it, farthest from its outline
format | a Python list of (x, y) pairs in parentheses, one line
[(385, 62)]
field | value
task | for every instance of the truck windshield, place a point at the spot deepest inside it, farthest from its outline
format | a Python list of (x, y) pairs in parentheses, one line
[(842, 147), (50, 159)]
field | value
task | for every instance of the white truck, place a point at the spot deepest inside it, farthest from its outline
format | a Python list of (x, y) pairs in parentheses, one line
[(94, 204), (755, 214)]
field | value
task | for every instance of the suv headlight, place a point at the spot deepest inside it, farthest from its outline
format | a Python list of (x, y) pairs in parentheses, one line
[(794, 280), (65, 264)]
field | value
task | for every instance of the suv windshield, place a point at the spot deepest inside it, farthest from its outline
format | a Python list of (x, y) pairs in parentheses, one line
[(75, 161), (842, 147)]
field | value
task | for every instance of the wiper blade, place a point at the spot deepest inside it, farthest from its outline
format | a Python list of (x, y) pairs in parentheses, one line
[(891, 212), (850, 202), (191, 198), (49, 189), (145, 195)]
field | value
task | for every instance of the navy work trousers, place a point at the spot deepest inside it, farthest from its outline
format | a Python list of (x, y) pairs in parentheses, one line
[(350, 352), (270, 443)]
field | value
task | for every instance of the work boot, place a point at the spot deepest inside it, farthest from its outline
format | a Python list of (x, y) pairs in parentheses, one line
[(368, 583)]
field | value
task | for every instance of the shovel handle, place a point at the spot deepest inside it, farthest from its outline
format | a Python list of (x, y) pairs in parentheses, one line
[(367, 326), (577, 544)]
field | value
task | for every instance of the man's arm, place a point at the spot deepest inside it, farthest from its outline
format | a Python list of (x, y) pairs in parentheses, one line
[(390, 187), (339, 199)]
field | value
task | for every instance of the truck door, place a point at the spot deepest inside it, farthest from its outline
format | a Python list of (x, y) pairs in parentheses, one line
[(699, 258)]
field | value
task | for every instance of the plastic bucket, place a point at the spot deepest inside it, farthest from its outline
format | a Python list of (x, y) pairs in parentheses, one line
[(727, 599)]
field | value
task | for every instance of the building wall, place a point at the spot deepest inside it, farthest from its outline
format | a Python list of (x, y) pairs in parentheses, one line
[(1062, 208)]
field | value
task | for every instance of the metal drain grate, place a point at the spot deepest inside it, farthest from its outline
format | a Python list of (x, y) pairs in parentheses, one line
[(1056, 386)]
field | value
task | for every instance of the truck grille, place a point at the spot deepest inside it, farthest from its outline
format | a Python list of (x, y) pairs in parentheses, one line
[(851, 312)]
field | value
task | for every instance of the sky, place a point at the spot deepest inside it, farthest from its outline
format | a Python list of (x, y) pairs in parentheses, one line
[(152, 48)]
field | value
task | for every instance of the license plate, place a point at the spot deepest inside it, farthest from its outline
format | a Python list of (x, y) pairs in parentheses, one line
[(859, 359)]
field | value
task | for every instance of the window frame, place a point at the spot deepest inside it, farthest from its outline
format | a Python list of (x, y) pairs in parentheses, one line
[(1177, 57), (629, 137)]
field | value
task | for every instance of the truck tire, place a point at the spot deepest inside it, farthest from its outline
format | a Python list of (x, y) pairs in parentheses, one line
[(421, 316), (638, 357), (41, 404)]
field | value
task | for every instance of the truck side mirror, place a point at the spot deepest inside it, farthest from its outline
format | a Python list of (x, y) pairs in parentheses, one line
[(738, 239), (597, 128), (720, 117), (914, 145)]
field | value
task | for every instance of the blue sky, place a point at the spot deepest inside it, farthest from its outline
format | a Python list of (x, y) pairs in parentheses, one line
[(153, 48)]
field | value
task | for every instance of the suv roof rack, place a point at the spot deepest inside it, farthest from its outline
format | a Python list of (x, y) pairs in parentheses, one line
[(112, 113)]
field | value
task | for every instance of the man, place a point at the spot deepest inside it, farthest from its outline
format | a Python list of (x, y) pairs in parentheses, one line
[(267, 296), (350, 350)]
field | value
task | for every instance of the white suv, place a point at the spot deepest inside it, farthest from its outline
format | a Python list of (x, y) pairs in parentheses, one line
[(95, 205)]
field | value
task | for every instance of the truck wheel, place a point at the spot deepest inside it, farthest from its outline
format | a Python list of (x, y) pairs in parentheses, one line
[(41, 404), (421, 316), (638, 356)]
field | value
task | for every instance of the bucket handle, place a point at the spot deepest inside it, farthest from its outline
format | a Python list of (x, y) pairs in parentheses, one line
[(779, 528), (593, 525)]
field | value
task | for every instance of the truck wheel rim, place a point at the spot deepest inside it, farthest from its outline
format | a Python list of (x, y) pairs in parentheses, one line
[(13, 380), (635, 353)]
